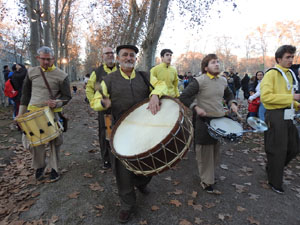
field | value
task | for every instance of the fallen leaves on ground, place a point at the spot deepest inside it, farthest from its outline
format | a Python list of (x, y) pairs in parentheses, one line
[(223, 216), (88, 175), (96, 187), (154, 208), (175, 202), (143, 222), (209, 205), (74, 195), (194, 194), (253, 221), (240, 188), (185, 222), (198, 220), (240, 209)]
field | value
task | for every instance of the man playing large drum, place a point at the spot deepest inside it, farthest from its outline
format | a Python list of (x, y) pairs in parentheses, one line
[(204, 95), (35, 94), (123, 89)]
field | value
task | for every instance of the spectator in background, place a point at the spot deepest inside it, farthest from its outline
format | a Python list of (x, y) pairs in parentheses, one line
[(245, 86), (253, 105), (18, 76), (236, 81), (5, 72), (258, 77)]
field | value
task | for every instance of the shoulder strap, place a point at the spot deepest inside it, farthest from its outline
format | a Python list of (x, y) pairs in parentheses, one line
[(147, 82), (47, 84)]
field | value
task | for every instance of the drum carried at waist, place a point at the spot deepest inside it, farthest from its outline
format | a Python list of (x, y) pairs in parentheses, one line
[(39, 126), (148, 144), (231, 130)]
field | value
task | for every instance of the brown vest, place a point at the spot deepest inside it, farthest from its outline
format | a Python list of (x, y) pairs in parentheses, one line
[(126, 93)]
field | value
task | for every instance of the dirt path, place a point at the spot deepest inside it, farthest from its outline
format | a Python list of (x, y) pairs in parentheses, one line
[(86, 194)]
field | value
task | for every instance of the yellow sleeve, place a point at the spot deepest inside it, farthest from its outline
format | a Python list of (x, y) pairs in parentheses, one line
[(160, 87), (95, 102), (176, 85), (268, 95), (90, 90)]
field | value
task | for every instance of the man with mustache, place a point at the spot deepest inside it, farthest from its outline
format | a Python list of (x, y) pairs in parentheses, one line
[(122, 89), (108, 66), (204, 95), (278, 97)]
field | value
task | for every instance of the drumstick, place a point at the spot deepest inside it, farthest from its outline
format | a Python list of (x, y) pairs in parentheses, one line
[(45, 103)]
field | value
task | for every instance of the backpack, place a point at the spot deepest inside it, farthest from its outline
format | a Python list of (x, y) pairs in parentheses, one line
[(9, 90)]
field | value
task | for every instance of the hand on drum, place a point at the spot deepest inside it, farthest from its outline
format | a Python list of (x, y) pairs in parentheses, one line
[(154, 104), (199, 111), (51, 103)]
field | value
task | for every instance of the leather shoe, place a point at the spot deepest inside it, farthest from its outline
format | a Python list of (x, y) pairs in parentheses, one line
[(144, 190), (124, 216)]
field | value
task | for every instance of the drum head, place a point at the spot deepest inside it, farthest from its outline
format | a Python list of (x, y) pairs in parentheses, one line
[(226, 126), (141, 131)]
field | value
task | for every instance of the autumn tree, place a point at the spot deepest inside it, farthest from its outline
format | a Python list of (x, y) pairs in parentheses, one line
[(141, 22), (189, 62)]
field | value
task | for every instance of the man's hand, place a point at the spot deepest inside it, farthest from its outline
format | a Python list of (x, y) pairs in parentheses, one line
[(296, 97), (200, 111), (106, 102), (51, 103), (234, 108), (154, 104)]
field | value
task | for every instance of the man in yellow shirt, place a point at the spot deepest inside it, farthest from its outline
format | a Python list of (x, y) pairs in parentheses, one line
[(108, 66), (277, 95), (166, 73)]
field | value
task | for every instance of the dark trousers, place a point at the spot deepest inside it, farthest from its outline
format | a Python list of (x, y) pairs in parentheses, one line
[(104, 144), (126, 181), (281, 145)]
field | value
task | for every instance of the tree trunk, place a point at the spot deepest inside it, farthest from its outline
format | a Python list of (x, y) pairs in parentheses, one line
[(34, 31), (156, 22), (47, 21)]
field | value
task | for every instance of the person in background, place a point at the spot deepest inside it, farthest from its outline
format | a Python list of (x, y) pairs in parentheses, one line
[(166, 73), (17, 79), (281, 138), (261, 110), (107, 67), (253, 105), (245, 86)]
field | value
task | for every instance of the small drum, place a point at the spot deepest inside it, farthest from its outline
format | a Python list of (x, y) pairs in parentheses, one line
[(148, 144), (225, 128), (39, 126)]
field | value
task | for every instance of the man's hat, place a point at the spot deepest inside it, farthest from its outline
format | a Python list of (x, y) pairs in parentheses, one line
[(133, 47)]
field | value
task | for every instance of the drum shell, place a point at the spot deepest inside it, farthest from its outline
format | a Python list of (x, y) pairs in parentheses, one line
[(165, 154), (39, 126)]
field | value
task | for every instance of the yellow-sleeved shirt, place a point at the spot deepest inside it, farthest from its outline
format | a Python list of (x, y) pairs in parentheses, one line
[(90, 87), (34, 107), (95, 102), (169, 76), (274, 93)]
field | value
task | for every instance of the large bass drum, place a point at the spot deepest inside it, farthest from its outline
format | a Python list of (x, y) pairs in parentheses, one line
[(148, 144)]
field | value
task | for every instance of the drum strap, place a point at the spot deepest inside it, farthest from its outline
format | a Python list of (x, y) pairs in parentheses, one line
[(47, 84), (146, 80)]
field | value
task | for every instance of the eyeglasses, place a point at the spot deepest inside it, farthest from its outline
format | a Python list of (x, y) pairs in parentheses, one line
[(108, 53), (45, 59)]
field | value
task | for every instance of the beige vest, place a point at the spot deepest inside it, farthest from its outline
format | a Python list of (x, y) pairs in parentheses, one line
[(210, 95), (39, 92)]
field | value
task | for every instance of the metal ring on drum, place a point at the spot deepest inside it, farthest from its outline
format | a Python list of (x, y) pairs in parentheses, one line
[(225, 128)]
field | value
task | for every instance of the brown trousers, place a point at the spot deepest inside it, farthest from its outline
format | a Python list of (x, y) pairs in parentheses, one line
[(281, 145), (208, 157)]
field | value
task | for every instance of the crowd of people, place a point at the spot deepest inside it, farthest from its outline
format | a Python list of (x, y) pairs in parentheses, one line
[(116, 85)]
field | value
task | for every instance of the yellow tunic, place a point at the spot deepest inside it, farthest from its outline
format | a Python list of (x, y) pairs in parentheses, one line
[(273, 90)]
